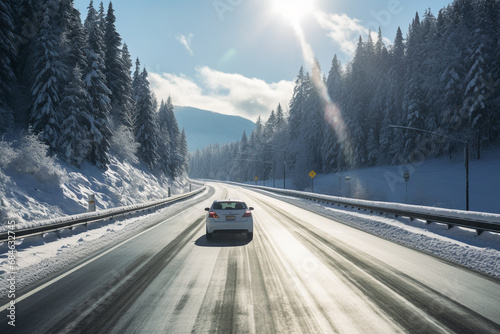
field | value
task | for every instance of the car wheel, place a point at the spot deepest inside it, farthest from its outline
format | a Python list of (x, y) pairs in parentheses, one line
[(250, 236)]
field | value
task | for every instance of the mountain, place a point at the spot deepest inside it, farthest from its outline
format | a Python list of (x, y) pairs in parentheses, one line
[(204, 127)]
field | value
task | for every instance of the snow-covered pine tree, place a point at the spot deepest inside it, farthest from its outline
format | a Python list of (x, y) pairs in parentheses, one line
[(96, 85), (29, 17), (279, 141), (49, 75), (240, 165), (101, 17), (184, 153), (145, 127), (380, 68), (478, 80), (136, 81), (270, 127), (7, 56), (73, 40), (267, 155), (453, 71), (118, 65), (174, 134), (74, 141), (333, 135), (414, 102), (296, 118), (315, 114), (391, 141), (164, 141), (358, 95)]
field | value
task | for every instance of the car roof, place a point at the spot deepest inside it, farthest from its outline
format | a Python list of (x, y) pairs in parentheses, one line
[(228, 200)]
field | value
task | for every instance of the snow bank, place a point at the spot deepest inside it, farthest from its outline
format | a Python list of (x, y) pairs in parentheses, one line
[(469, 215), (435, 182), (28, 200)]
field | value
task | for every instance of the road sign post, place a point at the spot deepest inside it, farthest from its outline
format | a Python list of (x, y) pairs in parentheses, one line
[(312, 174), (407, 178)]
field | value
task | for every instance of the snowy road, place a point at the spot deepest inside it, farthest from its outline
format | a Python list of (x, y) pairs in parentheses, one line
[(302, 273)]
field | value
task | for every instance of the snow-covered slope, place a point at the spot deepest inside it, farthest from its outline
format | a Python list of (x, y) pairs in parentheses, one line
[(27, 197), (438, 182)]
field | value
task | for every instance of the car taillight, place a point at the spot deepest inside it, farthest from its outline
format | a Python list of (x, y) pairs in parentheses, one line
[(212, 214), (247, 214)]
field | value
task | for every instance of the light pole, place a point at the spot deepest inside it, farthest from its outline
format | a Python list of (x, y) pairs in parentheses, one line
[(465, 142)]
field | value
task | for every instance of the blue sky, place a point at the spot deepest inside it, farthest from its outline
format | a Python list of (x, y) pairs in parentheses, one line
[(241, 56)]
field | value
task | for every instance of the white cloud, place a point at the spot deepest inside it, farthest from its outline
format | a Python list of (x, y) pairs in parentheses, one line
[(226, 93), (186, 42), (344, 30)]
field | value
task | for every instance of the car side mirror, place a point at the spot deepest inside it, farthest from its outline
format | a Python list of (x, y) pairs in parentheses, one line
[(207, 209), (251, 208)]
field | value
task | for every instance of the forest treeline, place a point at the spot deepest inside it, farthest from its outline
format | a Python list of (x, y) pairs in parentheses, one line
[(70, 84), (443, 77)]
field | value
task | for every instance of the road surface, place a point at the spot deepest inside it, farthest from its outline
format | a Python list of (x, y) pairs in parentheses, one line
[(301, 273)]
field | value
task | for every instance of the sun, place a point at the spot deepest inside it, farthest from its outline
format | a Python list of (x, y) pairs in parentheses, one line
[(293, 10)]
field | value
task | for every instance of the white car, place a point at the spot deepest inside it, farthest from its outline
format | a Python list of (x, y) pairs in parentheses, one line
[(229, 216)]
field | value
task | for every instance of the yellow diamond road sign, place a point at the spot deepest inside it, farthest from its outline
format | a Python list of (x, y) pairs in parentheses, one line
[(312, 174)]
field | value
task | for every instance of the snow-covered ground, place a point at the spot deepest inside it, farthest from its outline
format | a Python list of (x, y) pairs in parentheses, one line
[(458, 245), (438, 182), (28, 197)]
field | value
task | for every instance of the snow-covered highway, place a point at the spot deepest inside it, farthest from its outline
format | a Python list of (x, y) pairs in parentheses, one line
[(302, 273)]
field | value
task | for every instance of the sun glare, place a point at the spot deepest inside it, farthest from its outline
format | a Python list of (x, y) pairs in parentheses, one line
[(293, 10)]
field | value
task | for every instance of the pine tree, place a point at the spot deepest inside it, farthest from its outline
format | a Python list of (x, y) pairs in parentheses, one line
[(75, 143), (240, 170), (7, 55), (29, 17), (184, 153), (49, 75), (145, 127), (117, 71), (357, 101), (164, 141), (127, 93), (296, 117), (375, 114), (334, 133), (414, 104), (96, 85), (73, 36), (175, 138), (390, 141)]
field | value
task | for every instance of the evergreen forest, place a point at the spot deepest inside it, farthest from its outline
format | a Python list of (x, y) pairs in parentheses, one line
[(69, 83), (442, 77)]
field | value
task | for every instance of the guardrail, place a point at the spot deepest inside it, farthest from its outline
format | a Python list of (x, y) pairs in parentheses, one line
[(92, 217), (474, 220)]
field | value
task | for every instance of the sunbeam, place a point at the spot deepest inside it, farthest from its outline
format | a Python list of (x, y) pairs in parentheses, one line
[(332, 113)]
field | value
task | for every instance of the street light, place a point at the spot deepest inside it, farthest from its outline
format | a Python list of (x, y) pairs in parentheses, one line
[(465, 142)]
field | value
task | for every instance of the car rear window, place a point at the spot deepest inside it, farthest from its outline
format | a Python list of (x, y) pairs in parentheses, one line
[(230, 206)]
